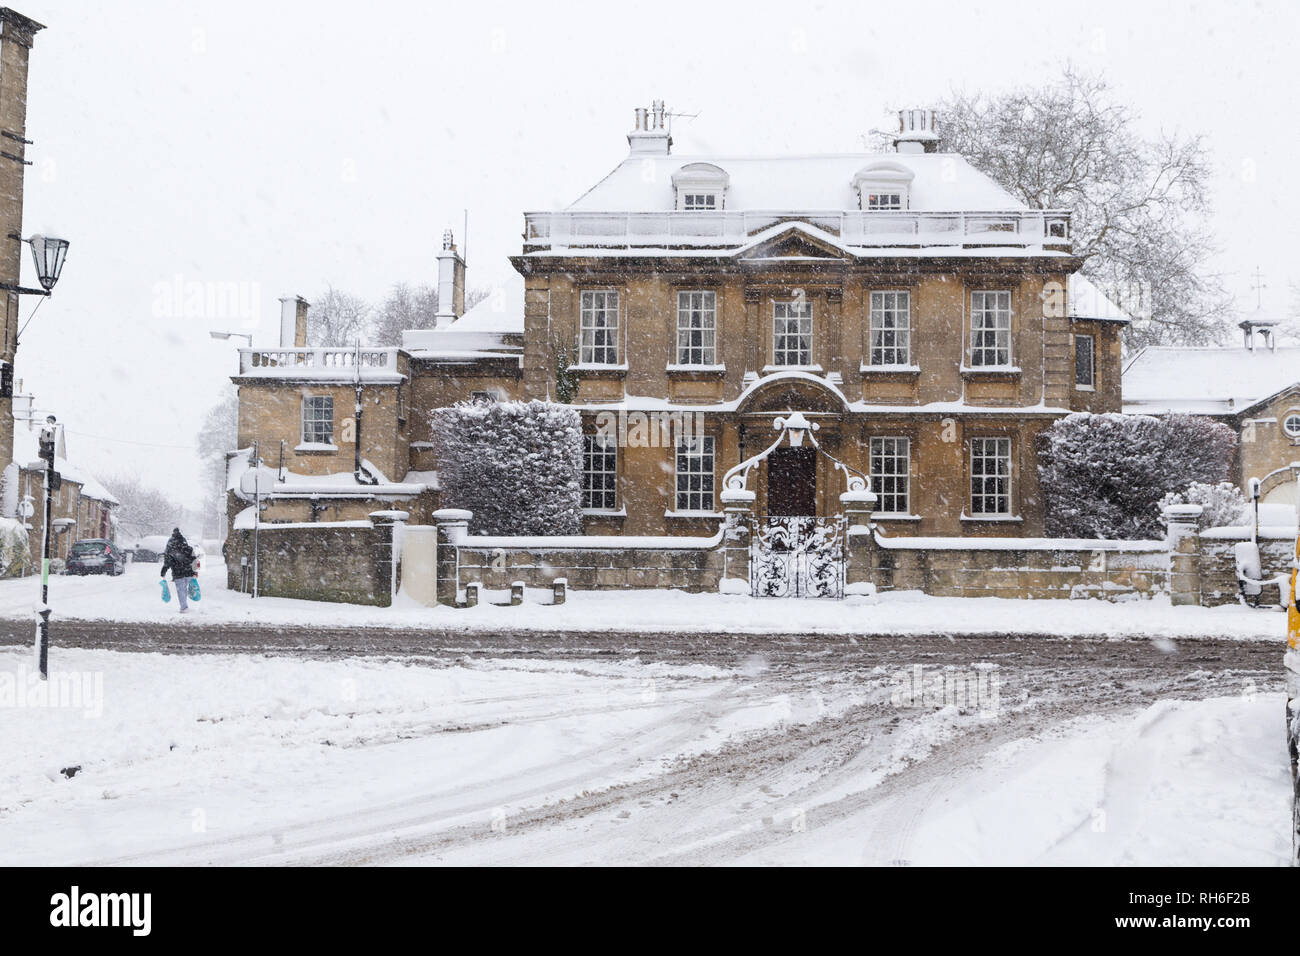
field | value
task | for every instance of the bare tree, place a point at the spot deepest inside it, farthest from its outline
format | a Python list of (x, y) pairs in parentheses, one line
[(144, 510), (413, 307), (338, 318), (1139, 204), (405, 307), (218, 434)]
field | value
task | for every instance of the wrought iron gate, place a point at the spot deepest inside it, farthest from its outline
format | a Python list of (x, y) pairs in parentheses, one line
[(797, 557)]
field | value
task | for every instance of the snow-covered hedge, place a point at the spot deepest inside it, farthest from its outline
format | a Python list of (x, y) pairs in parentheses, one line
[(1103, 476), (1223, 505), (14, 555), (516, 465)]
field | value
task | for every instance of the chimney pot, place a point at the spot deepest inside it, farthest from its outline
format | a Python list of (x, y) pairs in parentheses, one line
[(650, 137), (917, 131), (451, 283)]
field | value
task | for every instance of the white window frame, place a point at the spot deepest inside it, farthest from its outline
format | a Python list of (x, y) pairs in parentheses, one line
[(598, 327), (990, 328), (599, 461), (312, 437), (1091, 384), (1290, 414), (798, 311), (892, 484), (697, 321), (890, 305), (883, 200), (693, 463), (995, 450), (699, 200)]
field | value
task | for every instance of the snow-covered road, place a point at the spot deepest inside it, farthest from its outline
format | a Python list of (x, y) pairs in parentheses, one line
[(1094, 753), (134, 599)]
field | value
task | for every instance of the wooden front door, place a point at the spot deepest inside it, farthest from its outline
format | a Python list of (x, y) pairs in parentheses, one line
[(792, 482)]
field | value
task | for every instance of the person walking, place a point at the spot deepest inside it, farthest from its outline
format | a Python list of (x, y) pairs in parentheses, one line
[(179, 558)]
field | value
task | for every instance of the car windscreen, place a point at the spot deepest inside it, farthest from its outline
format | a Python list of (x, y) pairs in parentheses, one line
[(88, 547)]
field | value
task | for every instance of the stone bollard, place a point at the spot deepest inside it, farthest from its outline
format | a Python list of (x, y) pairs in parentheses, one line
[(516, 593), (860, 544), (453, 526), (1184, 542), (559, 590), (471, 593), (738, 507)]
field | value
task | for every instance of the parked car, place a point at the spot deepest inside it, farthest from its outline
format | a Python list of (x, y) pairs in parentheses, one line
[(149, 549), (95, 556)]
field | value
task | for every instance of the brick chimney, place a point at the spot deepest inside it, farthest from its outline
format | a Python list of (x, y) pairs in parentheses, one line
[(650, 137), (293, 321), (451, 283)]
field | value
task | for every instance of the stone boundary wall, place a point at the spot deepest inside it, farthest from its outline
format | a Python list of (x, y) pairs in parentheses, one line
[(353, 561), (596, 563), (345, 561), (1021, 568), (1217, 564)]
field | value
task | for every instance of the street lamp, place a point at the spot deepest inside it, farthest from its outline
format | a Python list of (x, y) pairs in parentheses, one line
[(232, 335), (48, 450), (48, 254)]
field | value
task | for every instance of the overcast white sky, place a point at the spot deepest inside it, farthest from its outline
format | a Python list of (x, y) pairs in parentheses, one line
[(288, 146)]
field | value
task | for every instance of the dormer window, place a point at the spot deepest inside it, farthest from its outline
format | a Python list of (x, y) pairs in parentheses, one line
[(883, 186), (882, 200), (697, 201), (700, 187)]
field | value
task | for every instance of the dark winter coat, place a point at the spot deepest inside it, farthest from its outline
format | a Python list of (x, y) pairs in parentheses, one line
[(178, 557)]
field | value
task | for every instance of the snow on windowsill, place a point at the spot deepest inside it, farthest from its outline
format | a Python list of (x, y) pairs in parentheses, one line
[(693, 514), (674, 368), (604, 513), (898, 369), (1005, 519), (990, 370), (597, 367), (889, 516), (315, 446)]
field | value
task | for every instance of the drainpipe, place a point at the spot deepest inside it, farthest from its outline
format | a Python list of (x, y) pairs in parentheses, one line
[(361, 476)]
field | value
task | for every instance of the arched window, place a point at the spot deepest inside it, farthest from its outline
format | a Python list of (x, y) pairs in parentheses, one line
[(700, 187)]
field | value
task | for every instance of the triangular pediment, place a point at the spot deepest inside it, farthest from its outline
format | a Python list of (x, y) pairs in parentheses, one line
[(793, 242)]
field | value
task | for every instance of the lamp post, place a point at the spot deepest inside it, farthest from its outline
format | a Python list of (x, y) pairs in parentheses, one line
[(48, 255), (48, 439)]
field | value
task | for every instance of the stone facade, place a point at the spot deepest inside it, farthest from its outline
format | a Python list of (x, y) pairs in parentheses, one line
[(17, 34), (349, 562), (592, 568), (631, 245)]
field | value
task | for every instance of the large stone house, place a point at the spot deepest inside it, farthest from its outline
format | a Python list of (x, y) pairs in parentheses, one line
[(1254, 388), (924, 320)]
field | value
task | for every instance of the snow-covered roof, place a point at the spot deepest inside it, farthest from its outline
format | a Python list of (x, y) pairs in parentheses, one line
[(248, 482), (1206, 380), (481, 333), (1086, 301), (27, 454), (940, 181)]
